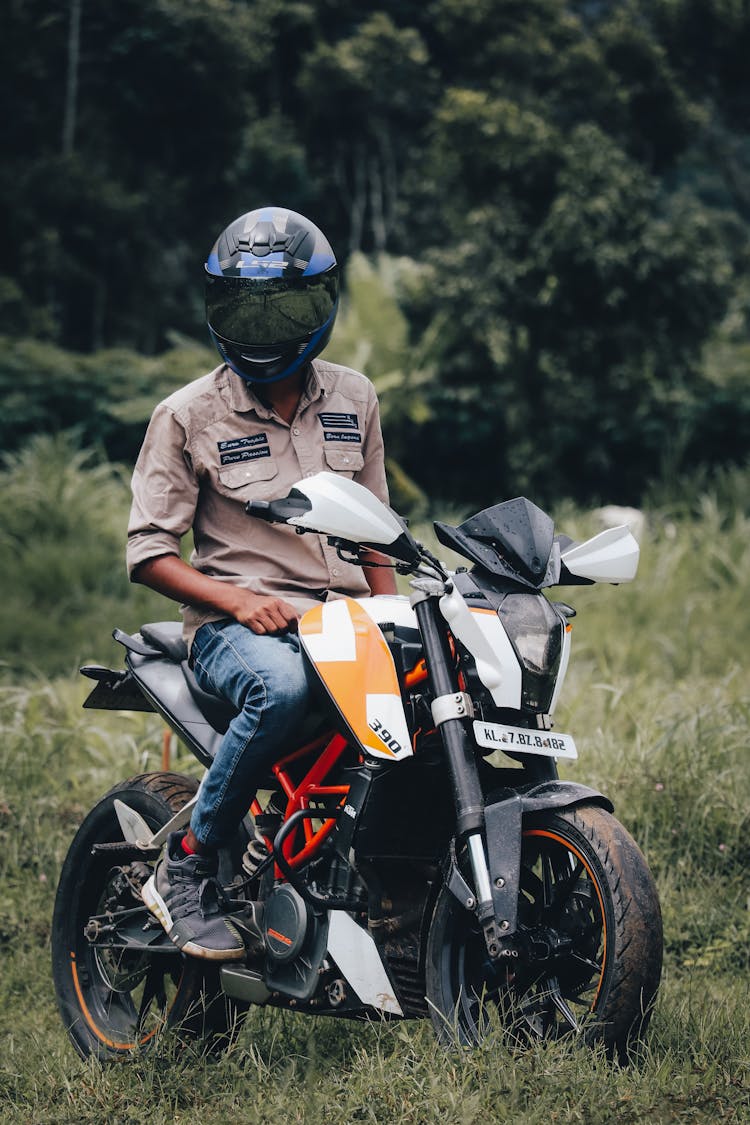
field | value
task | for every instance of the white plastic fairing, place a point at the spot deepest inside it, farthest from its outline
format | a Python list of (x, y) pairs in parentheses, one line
[(356, 955), (394, 608), (483, 634), (611, 556), (344, 508)]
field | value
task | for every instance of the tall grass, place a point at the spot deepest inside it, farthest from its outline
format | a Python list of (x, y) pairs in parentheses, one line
[(62, 550), (657, 700)]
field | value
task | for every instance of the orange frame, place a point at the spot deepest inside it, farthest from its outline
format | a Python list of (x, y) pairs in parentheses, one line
[(310, 788)]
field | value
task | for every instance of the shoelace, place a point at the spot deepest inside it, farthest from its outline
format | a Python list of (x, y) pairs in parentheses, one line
[(210, 896)]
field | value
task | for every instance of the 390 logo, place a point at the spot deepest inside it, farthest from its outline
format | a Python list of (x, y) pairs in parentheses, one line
[(385, 736)]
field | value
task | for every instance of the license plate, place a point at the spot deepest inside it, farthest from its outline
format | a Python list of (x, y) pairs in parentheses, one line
[(498, 736)]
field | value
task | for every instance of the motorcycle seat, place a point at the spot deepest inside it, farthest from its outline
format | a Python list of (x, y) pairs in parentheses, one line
[(167, 637)]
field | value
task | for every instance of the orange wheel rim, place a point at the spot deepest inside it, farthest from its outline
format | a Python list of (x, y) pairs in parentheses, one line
[(545, 832)]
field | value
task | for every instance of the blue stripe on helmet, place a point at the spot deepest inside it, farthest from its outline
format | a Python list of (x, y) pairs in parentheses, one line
[(320, 261), (212, 265)]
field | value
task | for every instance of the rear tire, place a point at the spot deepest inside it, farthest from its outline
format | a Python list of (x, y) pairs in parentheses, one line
[(114, 1004), (589, 942)]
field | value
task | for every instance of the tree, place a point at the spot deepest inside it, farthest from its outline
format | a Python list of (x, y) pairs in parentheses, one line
[(571, 295), (365, 99)]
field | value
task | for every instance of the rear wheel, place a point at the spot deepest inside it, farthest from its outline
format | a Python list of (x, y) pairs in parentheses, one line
[(589, 942), (115, 1001)]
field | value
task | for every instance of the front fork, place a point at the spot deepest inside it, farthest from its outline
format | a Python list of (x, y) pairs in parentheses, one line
[(496, 890)]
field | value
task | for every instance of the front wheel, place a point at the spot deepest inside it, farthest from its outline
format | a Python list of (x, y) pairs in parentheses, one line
[(587, 953), (114, 1001)]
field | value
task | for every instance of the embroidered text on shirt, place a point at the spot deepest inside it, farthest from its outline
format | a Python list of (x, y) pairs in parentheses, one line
[(248, 448)]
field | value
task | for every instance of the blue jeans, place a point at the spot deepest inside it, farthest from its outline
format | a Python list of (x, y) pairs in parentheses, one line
[(264, 677)]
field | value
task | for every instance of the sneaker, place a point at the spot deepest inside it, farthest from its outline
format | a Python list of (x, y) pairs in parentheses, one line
[(186, 898)]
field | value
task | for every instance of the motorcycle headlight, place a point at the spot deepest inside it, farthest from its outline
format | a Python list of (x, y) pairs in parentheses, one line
[(536, 632)]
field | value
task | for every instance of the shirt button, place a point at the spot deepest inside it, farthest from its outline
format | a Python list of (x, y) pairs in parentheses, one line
[(295, 431), (335, 572)]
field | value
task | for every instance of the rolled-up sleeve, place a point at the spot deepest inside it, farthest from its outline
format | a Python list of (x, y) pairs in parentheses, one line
[(165, 491)]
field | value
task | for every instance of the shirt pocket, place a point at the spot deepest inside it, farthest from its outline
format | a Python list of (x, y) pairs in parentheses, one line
[(344, 461), (254, 480)]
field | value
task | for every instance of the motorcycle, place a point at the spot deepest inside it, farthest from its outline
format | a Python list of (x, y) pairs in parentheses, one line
[(416, 853)]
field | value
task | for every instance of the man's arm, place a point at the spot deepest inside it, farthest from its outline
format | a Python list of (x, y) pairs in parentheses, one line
[(165, 492), (169, 575), (379, 581)]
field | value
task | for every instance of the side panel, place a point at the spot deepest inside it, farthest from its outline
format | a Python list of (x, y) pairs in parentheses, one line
[(164, 685), (482, 632), (353, 660), (390, 607), (356, 954)]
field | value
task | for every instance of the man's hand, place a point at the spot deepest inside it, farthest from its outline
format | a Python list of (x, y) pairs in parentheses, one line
[(169, 575), (264, 614)]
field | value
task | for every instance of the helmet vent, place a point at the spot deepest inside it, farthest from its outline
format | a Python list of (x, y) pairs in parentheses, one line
[(264, 239)]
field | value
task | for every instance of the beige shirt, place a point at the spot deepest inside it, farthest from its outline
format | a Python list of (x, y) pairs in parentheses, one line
[(213, 445)]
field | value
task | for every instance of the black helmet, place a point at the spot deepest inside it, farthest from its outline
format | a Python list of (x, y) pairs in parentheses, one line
[(271, 293)]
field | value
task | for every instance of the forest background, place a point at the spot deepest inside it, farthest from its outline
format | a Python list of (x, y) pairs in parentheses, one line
[(555, 194), (541, 210)]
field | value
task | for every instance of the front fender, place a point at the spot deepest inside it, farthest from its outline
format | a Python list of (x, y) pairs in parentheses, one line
[(503, 829), (562, 795)]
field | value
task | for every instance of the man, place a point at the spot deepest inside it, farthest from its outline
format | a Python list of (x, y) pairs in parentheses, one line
[(269, 415)]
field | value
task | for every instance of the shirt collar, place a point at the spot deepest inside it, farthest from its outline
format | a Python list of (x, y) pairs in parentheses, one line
[(244, 397), (314, 388)]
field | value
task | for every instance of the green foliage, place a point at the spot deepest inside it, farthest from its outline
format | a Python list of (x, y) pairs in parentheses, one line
[(372, 335), (574, 176), (575, 308), (62, 548), (107, 396)]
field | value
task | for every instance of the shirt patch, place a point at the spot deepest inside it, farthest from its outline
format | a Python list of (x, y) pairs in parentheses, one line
[(245, 455), (242, 442), (338, 435), (239, 449), (332, 420)]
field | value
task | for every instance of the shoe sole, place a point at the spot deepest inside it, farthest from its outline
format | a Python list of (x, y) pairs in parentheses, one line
[(158, 908)]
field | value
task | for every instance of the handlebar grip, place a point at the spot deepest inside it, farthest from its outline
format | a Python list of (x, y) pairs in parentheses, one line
[(261, 509), (279, 511)]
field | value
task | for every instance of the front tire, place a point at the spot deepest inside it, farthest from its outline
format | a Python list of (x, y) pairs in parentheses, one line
[(589, 942), (113, 1002)]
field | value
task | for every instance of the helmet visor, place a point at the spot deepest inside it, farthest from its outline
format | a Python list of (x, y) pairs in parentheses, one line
[(254, 311)]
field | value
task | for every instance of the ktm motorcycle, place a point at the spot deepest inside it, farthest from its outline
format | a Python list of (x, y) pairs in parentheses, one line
[(415, 854)]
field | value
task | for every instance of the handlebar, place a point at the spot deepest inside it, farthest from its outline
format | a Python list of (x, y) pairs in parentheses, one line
[(260, 509), (279, 511)]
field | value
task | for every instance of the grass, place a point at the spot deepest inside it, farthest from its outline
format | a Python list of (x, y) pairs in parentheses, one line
[(657, 699)]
